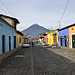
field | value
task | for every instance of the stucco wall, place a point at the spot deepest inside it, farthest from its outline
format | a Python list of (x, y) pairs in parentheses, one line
[(71, 32), (45, 38), (18, 40), (64, 32), (7, 31), (51, 38)]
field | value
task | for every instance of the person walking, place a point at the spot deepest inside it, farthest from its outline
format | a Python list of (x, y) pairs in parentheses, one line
[(32, 43)]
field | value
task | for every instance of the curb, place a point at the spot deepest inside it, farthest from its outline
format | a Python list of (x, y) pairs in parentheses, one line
[(72, 49), (9, 53)]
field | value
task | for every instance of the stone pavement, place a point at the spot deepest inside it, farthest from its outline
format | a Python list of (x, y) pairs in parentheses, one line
[(38, 61), (68, 53), (9, 53)]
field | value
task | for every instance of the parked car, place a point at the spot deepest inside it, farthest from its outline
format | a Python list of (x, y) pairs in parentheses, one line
[(26, 44), (43, 43)]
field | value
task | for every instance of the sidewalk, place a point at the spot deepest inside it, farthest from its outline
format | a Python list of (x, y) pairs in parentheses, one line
[(9, 53), (68, 53), (73, 49), (66, 48)]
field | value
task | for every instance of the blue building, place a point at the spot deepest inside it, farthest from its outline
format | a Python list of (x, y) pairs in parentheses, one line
[(63, 35), (7, 33)]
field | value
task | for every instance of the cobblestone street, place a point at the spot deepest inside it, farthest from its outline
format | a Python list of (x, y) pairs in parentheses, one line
[(38, 60)]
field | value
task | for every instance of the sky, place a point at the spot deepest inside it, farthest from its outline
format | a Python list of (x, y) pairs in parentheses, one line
[(46, 13)]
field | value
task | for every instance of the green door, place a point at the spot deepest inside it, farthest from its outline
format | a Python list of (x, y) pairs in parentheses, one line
[(73, 41)]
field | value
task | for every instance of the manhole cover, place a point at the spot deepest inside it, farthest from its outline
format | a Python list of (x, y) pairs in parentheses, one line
[(19, 56)]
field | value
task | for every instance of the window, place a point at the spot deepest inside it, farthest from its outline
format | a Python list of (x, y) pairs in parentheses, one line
[(17, 40), (72, 28), (20, 39)]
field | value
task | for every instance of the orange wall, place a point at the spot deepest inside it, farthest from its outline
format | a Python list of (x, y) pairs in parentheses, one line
[(70, 34)]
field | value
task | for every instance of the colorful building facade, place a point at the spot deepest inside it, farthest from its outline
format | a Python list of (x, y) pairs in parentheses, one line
[(25, 38), (46, 38), (72, 36), (41, 38), (53, 37), (19, 39), (67, 36), (50, 38), (7, 33), (64, 37)]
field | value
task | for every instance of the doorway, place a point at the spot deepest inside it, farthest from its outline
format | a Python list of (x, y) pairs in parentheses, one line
[(73, 41), (54, 38), (65, 37), (14, 41), (9, 42), (3, 43), (61, 40)]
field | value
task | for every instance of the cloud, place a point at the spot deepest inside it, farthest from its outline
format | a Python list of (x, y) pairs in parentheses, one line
[(44, 12)]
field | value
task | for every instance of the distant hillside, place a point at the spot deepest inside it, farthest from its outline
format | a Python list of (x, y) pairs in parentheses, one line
[(34, 30)]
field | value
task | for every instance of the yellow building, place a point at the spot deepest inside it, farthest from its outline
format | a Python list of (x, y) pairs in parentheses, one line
[(25, 39), (53, 37), (19, 39), (41, 38)]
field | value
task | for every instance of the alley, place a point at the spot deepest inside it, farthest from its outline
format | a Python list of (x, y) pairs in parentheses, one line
[(37, 61)]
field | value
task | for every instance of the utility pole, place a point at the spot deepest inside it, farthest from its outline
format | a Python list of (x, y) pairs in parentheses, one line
[(51, 27)]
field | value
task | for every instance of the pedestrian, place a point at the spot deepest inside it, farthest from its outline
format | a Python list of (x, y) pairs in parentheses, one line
[(32, 43)]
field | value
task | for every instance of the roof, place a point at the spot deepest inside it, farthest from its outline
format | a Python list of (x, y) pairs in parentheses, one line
[(16, 20), (20, 32), (6, 22), (44, 34), (51, 31), (25, 36), (67, 26)]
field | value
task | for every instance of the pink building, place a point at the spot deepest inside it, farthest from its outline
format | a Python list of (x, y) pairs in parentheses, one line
[(45, 38)]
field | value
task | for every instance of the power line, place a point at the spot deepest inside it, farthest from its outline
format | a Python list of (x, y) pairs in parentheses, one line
[(7, 8), (63, 12), (3, 10)]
